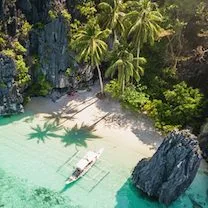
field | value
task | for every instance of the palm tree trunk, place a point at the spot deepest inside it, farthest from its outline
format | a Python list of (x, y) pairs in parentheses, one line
[(115, 36), (100, 79), (138, 53)]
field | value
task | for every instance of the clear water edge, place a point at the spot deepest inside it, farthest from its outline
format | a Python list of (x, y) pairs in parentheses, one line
[(32, 174)]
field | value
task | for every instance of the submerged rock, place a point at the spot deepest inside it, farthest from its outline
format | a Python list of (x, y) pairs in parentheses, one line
[(171, 169), (10, 98)]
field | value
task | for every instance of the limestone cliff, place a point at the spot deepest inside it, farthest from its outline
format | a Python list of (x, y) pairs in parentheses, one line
[(10, 98), (171, 169)]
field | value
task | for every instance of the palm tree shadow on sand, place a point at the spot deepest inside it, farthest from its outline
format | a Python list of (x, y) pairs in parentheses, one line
[(57, 118), (78, 135), (45, 132)]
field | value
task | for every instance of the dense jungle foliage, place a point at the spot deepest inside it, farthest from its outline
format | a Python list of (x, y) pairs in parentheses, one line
[(138, 46)]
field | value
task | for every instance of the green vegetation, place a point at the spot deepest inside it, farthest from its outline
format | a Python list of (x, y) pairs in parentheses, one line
[(126, 67), (2, 85), (143, 23), (66, 15), (2, 42), (22, 69), (181, 106), (18, 48), (52, 14), (90, 45), (145, 46), (137, 45), (39, 25), (111, 16), (87, 9), (41, 87), (133, 97), (26, 27)]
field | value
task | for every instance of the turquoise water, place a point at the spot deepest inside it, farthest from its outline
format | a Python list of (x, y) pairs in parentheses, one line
[(36, 158)]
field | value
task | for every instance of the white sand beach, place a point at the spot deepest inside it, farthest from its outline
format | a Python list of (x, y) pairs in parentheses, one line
[(42, 156), (122, 127)]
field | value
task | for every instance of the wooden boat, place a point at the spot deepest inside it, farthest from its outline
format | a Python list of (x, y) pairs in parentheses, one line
[(84, 165)]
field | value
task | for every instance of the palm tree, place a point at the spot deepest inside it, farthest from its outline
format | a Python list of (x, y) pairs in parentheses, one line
[(144, 23), (126, 67), (111, 16), (89, 43)]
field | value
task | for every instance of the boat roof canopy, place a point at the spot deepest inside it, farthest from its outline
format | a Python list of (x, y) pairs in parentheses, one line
[(89, 157), (82, 164)]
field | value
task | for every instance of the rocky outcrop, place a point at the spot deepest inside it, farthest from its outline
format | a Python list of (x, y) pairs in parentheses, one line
[(10, 98), (171, 169), (51, 45), (35, 10), (203, 141)]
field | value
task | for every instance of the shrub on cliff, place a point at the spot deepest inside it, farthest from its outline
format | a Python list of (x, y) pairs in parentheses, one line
[(41, 87)]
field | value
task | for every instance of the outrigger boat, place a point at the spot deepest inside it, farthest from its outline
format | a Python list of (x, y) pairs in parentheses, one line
[(84, 165)]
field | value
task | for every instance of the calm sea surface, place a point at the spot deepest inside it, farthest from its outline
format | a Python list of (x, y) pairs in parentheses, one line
[(36, 158)]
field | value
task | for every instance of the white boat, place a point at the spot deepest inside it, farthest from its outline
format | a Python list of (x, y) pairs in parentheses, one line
[(84, 165)]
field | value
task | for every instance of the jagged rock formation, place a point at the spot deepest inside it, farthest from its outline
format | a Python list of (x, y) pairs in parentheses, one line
[(171, 169), (10, 98), (47, 42), (51, 46), (35, 10), (203, 141)]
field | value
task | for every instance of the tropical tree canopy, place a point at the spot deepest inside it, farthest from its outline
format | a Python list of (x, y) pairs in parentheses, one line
[(111, 15), (142, 23), (90, 45), (125, 65)]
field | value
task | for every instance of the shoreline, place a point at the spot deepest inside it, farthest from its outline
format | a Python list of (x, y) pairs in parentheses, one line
[(34, 154)]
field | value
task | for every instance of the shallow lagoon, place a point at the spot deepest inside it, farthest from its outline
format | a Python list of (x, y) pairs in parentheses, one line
[(34, 163)]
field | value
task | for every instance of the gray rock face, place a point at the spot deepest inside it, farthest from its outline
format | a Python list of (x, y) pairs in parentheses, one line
[(171, 169), (52, 46), (52, 49), (35, 10), (10, 98), (203, 141)]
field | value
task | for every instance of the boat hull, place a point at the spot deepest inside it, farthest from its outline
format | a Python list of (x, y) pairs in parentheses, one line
[(72, 179)]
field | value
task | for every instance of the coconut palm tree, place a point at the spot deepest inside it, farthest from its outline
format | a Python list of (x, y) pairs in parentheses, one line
[(125, 65), (111, 16), (90, 45), (143, 22)]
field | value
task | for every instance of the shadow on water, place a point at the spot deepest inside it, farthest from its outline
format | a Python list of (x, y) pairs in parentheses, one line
[(78, 135), (129, 196), (196, 196), (45, 132), (5, 120), (66, 187)]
